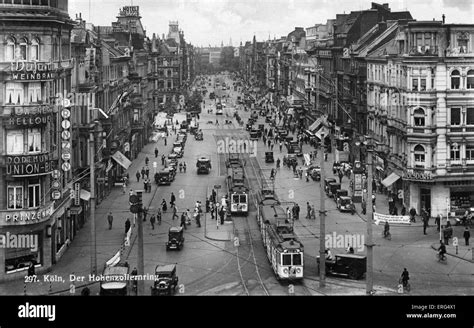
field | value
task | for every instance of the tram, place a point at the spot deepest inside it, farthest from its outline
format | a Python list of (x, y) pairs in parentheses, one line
[(284, 251), (238, 187)]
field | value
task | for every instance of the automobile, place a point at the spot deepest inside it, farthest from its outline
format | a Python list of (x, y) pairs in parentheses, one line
[(254, 134), (203, 165), (199, 135), (327, 181), (294, 147), (345, 204), (254, 115), (164, 177), (249, 126), (269, 157), (193, 128), (268, 119), (352, 266), (178, 151), (212, 95), (333, 187), (166, 280), (261, 128), (182, 139), (177, 144), (175, 238), (340, 193), (314, 172), (115, 282), (184, 126)]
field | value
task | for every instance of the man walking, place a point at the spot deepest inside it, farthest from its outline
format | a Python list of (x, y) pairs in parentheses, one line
[(183, 220), (175, 212), (138, 176), (466, 236), (425, 224), (145, 213), (173, 199), (156, 152), (341, 175), (152, 222), (110, 219), (127, 225), (143, 172)]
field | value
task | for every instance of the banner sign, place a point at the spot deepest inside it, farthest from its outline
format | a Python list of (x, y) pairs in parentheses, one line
[(381, 218)]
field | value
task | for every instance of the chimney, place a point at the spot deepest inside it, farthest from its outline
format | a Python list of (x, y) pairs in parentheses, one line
[(444, 18)]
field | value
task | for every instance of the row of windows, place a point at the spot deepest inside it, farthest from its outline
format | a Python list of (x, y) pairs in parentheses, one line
[(22, 50), (27, 141), (23, 93), (455, 154), (456, 79), (458, 117), (51, 3), (24, 196)]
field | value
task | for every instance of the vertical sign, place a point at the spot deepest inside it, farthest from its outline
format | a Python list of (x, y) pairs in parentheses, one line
[(77, 194), (66, 136)]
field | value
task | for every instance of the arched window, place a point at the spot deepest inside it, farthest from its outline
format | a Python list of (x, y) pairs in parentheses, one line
[(419, 155), (34, 50), (470, 79), (21, 52), (419, 117), (10, 50), (455, 79)]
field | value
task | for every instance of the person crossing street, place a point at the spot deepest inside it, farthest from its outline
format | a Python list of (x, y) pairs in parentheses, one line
[(110, 219)]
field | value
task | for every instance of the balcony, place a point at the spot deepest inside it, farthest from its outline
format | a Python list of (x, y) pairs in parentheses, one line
[(424, 51), (460, 166), (460, 130)]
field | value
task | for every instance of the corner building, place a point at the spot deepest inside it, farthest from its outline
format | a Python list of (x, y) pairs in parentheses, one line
[(36, 64)]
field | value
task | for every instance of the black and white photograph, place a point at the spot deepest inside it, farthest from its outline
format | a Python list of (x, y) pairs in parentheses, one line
[(237, 148)]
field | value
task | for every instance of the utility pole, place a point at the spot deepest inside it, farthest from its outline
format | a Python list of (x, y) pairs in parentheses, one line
[(92, 183), (322, 215), (369, 244), (140, 264)]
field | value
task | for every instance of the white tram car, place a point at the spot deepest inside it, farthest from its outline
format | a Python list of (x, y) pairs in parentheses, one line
[(284, 250), (238, 190)]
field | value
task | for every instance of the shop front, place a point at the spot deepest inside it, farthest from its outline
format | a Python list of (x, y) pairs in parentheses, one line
[(461, 199)]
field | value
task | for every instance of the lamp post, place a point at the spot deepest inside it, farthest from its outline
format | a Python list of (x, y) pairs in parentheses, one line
[(369, 244), (95, 129), (322, 214)]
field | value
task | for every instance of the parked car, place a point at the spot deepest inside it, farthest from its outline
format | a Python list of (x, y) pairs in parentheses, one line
[(166, 280), (340, 193), (269, 157), (314, 172), (333, 187), (178, 151), (327, 181)]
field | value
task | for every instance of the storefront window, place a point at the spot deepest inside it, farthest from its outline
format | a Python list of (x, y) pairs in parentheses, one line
[(30, 250), (15, 197), (15, 144), (455, 116), (461, 200), (34, 140)]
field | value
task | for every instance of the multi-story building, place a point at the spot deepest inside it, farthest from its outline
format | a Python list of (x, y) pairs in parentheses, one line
[(35, 156)]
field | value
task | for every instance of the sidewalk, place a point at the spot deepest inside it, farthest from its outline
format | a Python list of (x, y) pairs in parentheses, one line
[(76, 259)]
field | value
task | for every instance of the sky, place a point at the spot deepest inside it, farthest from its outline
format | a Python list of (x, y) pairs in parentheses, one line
[(210, 22)]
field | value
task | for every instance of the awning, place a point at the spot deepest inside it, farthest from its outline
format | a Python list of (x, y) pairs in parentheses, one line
[(379, 168), (122, 160), (324, 130), (390, 180), (85, 195)]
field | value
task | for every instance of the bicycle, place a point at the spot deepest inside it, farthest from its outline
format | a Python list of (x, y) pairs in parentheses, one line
[(387, 235), (442, 258), (404, 284)]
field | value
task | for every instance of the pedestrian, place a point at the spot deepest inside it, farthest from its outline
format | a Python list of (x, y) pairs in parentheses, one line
[(184, 166), (152, 222), (164, 206), (127, 225), (308, 210), (163, 159), (124, 187), (269, 143), (183, 220), (271, 146), (145, 213), (31, 269), (296, 211), (143, 172), (222, 214), (341, 175), (110, 219), (175, 212), (412, 215), (438, 222), (466, 236), (166, 140), (447, 233), (147, 171), (172, 199), (156, 152), (395, 210), (207, 205), (425, 225), (145, 185), (211, 204), (138, 176)]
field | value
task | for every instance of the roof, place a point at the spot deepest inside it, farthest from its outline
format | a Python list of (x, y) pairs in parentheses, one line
[(176, 229), (165, 268), (353, 256), (115, 270), (79, 35)]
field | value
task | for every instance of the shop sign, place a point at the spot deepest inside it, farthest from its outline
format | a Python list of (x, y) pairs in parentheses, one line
[(77, 194), (417, 176), (30, 165), (29, 120), (32, 71), (26, 217)]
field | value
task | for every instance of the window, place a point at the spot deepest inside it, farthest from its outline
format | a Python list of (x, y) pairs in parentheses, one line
[(15, 197), (10, 50), (455, 79), (170, 84), (470, 152), (135, 116), (15, 142), (422, 84), (414, 85), (23, 49), (286, 259), (296, 259), (419, 155), (34, 50), (470, 79), (455, 116), (34, 140), (15, 93), (419, 117), (34, 193), (34, 93), (469, 116), (455, 153)]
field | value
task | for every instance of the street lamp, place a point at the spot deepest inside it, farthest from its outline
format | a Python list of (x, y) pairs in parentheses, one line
[(95, 129), (368, 144)]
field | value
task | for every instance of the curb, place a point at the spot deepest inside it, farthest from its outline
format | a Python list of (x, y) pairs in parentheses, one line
[(433, 246)]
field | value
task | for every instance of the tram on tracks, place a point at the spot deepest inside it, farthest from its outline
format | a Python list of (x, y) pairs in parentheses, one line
[(237, 186), (284, 250)]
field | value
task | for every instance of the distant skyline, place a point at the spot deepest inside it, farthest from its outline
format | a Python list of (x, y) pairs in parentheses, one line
[(210, 22)]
